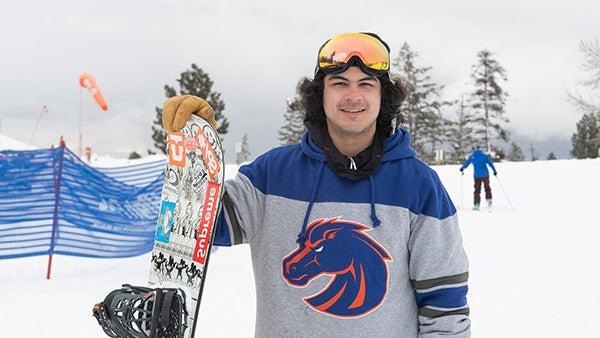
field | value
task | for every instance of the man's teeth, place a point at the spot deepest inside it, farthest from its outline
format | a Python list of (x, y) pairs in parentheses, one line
[(353, 110)]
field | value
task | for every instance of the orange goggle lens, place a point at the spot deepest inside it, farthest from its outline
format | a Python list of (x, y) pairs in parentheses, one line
[(338, 51)]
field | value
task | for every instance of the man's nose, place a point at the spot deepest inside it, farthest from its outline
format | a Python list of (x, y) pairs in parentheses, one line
[(353, 94)]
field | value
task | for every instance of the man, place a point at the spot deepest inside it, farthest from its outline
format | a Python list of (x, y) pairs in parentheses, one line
[(350, 234), (481, 174)]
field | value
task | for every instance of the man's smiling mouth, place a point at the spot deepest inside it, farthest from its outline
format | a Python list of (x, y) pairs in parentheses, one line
[(359, 110)]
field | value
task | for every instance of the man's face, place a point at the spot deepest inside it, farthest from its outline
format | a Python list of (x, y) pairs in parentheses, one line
[(351, 101)]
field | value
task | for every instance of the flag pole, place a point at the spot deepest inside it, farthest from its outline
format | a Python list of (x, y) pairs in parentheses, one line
[(44, 108), (58, 168), (80, 135)]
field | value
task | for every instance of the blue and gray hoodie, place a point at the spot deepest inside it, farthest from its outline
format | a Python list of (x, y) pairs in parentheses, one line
[(332, 257)]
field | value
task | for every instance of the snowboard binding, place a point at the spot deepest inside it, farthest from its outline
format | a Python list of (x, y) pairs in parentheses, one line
[(141, 312)]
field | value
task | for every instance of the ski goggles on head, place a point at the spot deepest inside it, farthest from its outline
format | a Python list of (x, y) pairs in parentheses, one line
[(335, 55)]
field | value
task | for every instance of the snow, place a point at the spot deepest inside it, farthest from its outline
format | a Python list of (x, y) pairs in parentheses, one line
[(530, 270), (8, 143), (98, 161), (106, 161)]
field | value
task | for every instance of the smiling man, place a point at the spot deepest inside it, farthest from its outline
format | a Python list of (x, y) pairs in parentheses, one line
[(350, 234), (351, 101)]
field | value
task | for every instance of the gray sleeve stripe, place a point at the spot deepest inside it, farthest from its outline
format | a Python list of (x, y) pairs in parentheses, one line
[(235, 226), (447, 280), (425, 312)]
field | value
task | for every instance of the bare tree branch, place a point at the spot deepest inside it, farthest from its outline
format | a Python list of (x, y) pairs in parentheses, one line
[(590, 62), (586, 106)]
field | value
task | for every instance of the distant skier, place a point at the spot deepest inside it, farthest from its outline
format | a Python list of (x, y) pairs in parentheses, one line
[(481, 174)]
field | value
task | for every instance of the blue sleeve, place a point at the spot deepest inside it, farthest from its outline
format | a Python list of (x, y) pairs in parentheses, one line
[(467, 162), (491, 164), (440, 280), (222, 235)]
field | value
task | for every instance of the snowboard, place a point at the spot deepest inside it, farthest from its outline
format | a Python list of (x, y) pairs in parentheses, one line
[(189, 209)]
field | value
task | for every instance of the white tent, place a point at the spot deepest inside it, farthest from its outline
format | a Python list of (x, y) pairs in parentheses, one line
[(7, 143)]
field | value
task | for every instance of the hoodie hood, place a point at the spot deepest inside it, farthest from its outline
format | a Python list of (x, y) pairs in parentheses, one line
[(396, 147)]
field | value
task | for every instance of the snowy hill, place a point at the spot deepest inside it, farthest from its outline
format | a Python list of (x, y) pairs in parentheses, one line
[(524, 265), (105, 161), (8, 143)]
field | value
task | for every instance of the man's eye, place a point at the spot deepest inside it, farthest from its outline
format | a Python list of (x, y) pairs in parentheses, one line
[(339, 84)]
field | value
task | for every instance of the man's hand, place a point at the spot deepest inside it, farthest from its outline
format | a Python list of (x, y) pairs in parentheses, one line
[(178, 109)]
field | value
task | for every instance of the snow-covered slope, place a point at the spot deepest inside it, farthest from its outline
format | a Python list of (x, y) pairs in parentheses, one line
[(8, 143), (532, 271)]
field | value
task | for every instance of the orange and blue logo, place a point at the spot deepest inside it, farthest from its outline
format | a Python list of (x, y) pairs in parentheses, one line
[(357, 263)]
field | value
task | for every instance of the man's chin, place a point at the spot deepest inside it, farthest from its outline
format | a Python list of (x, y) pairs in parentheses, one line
[(351, 129), (354, 130)]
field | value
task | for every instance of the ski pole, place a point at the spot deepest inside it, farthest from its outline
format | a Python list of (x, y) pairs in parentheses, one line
[(505, 195), (462, 194)]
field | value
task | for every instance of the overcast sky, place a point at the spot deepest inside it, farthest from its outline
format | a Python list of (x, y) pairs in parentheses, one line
[(256, 51)]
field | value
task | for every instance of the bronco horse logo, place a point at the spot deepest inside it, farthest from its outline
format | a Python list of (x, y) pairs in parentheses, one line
[(356, 261)]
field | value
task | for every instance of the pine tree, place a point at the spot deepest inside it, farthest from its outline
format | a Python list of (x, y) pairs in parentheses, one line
[(459, 133), (195, 82), (533, 153), (133, 155), (291, 132), (489, 99), (434, 135), (243, 155), (586, 140), (497, 153), (421, 108), (515, 154)]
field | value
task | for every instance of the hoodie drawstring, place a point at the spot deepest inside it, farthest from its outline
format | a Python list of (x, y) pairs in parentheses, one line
[(352, 163), (302, 235), (374, 218), (376, 221)]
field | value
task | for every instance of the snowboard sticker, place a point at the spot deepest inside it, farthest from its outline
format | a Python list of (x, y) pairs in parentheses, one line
[(190, 202), (165, 222)]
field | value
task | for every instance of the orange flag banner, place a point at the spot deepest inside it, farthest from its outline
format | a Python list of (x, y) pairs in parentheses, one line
[(89, 82)]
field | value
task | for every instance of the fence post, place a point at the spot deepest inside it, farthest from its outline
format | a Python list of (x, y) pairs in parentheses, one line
[(57, 183)]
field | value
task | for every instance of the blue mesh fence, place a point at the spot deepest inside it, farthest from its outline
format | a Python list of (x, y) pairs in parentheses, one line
[(53, 203)]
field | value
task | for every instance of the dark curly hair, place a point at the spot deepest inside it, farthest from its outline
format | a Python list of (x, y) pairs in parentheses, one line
[(392, 96)]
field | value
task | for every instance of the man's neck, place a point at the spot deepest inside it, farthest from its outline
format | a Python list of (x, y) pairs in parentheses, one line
[(351, 144)]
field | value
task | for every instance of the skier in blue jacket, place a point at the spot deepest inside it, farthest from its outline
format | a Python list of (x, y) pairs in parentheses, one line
[(350, 234), (480, 161)]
